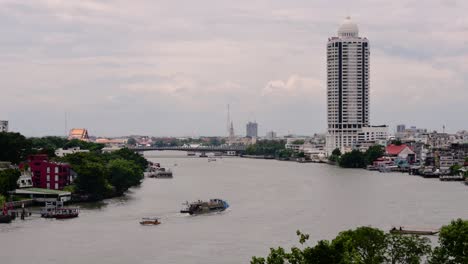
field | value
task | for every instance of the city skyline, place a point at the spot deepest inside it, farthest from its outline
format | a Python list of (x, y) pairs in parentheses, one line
[(156, 68)]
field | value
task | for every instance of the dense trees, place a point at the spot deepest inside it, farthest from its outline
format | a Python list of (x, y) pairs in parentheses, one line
[(102, 175), (353, 159), (14, 147), (124, 174), (266, 147), (356, 158), (335, 156), (453, 244), (8, 179), (367, 245)]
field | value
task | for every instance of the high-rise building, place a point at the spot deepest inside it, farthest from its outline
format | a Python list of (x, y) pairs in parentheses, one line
[(252, 130), (270, 135), (400, 128), (3, 126), (347, 87)]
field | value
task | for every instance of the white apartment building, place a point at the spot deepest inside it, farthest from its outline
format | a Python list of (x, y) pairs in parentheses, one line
[(347, 87), (63, 152)]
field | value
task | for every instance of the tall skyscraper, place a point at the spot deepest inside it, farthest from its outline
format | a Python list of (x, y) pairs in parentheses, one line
[(252, 130), (347, 87)]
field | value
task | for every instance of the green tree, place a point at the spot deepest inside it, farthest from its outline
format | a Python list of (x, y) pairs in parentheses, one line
[(8, 180), (336, 152), (2, 201), (353, 159), (453, 244), (373, 153), (14, 147), (406, 249), (266, 147), (454, 169), (92, 179), (127, 154), (131, 141), (124, 174), (298, 142), (364, 245)]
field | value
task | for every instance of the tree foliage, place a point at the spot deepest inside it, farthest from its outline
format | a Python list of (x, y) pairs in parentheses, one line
[(364, 245), (453, 244), (106, 174), (14, 147), (266, 147), (374, 152), (353, 159), (8, 179), (124, 174)]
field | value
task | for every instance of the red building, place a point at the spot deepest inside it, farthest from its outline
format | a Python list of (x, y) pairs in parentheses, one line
[(47, 174)]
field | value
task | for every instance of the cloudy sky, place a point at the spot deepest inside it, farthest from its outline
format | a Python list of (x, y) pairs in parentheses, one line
[(170, 67)]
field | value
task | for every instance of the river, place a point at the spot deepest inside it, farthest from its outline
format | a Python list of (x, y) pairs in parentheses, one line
[(269, 200)]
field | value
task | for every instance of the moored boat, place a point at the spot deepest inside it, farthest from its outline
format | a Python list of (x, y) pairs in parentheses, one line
[(57, 211), (203, 207), (5, 219)]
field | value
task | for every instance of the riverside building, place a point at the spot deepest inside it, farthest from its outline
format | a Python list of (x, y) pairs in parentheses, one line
[(347, 88)]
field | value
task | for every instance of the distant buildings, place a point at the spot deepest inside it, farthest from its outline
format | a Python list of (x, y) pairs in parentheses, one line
[(79, 133), (348, 91), (3, 126), (271, 135), (47, 174), (401, 128), (252, 130)]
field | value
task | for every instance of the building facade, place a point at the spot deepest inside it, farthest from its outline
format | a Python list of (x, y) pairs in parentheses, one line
[(347, 87), (252, 129), (3, 126), (46, 174)]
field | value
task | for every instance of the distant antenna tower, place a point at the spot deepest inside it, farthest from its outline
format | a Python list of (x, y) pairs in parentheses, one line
[(230, 125), (66, 125)]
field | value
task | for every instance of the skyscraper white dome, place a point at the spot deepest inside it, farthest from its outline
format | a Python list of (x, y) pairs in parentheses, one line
[(348, 29)]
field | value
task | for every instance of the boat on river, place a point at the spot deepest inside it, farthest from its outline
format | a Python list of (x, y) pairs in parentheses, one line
[(211, 159), (403, 231), (161, 173), (203, 207), (58, 211), (150, 221)]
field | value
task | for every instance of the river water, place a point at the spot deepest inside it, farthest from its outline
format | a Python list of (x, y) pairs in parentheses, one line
[(269, 200)]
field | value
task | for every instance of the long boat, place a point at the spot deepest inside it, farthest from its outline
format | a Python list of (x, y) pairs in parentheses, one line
[(203, 207), (413, 232)]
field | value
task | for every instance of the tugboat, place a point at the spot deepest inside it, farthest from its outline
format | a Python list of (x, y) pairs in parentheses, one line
[(203, 207), (150, 221)]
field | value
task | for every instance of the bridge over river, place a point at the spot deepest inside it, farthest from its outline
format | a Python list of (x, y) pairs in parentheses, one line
[(234, 150)]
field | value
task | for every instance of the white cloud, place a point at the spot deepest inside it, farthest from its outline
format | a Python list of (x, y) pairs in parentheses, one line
[(116, 59), (295, 85)]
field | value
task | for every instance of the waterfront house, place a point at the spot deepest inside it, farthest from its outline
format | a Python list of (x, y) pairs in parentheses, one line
[(47, 174), (400, 151)]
